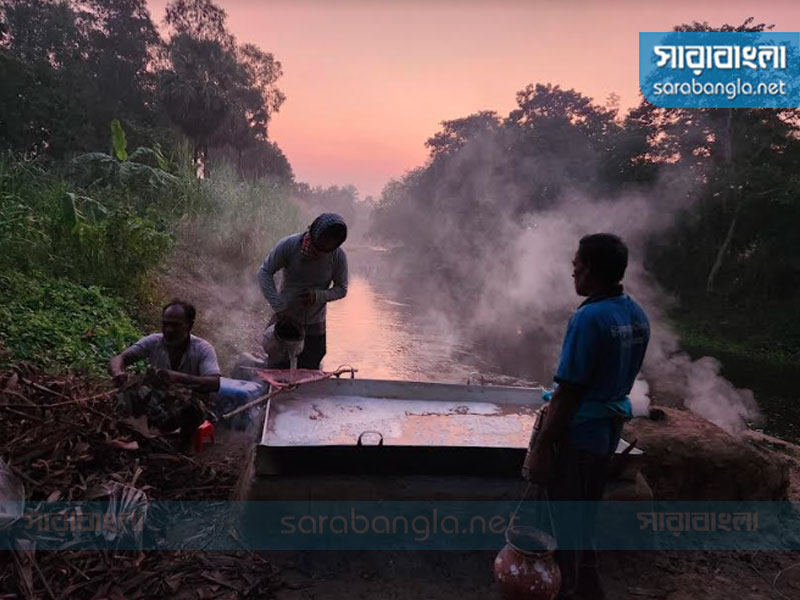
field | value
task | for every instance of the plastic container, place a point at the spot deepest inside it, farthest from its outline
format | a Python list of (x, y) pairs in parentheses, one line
[(233, 393), (239, 389), (203, 436)]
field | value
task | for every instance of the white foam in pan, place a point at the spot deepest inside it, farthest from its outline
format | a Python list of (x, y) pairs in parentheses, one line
[(308, 420)]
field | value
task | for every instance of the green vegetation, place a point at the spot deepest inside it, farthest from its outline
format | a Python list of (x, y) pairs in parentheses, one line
[(768, 339), (91, 236), (756, 353), (240, 220), (58, 324), (104, 126), (79, 262)]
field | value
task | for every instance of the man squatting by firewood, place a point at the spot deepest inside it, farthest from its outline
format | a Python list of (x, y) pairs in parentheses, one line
[(175, 357)]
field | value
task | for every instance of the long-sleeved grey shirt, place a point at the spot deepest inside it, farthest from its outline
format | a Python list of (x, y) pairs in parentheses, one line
[(300, 274)]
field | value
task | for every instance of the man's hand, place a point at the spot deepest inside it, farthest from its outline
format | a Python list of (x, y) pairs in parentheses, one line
[(120, 379), (117, 369), (165, 376), (308, 298), (540, 465)]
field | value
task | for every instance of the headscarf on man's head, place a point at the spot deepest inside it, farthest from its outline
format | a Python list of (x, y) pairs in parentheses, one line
[(322, 225)]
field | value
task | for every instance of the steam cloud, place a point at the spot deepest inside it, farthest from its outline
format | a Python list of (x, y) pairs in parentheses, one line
[(527, 289), (546, 248)]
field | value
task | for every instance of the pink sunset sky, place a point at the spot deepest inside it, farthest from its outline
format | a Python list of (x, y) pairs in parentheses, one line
[(368, 82)]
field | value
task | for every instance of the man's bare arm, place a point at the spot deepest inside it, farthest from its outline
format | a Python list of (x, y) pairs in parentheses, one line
[(201, 383), (540, 463), (118, 364)]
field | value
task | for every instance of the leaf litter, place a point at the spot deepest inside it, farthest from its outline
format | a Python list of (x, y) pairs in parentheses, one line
[(63, 438)]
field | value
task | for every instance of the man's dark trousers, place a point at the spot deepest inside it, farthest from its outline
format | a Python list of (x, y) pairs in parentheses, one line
[(580, 477)]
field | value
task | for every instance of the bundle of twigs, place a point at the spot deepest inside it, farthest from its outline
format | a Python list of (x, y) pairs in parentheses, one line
[(130, 575), (63, 438)]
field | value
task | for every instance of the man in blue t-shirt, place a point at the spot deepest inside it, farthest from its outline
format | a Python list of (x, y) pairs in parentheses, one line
[(602, 353)]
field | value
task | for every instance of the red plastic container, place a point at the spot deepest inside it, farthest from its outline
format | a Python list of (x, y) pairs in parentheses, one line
[(204, 435)]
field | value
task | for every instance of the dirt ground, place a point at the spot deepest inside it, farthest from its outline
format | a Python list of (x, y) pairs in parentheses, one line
[(468, 575), (456, 575)]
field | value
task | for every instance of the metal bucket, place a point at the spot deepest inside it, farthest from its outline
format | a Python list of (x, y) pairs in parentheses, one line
[(283, 340)]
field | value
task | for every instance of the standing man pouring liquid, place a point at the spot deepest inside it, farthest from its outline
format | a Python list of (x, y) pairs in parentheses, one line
[(314, 269), (602, 352)]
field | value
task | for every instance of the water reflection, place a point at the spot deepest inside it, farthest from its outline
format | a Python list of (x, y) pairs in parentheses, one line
[(387, 339)]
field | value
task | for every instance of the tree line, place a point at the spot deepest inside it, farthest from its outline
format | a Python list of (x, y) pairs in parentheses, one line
[(732, 250), (69, 67)]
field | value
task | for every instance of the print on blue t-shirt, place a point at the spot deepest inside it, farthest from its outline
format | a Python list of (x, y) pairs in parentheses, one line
[(602, 352)]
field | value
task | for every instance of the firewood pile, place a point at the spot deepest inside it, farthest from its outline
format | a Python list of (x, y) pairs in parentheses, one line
[(130, 575), (63, 439)]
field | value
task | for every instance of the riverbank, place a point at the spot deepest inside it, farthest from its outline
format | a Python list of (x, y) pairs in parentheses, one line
[(86, 267)]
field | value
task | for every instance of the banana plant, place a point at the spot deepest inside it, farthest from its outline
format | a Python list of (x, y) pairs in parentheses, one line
[(78, 210), (119, 141), (144, 168)]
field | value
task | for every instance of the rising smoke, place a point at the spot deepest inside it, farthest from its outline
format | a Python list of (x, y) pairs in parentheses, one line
[(520, 288), (545, 251)]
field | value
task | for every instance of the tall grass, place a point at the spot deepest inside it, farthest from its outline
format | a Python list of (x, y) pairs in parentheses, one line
[(239, 220), (52, 228), (217, 253), (95, 248)]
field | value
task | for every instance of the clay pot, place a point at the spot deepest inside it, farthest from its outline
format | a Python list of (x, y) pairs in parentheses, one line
[(525, 569)]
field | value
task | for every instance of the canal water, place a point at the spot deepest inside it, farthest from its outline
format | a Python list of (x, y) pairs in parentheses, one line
[(386, 338), (378, 331)]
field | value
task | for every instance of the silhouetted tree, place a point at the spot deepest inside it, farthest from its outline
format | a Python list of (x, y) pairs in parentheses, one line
[(217, 92)]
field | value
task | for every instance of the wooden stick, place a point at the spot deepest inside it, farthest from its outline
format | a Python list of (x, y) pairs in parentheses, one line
[(79, 400), (58, 404), (27, 478), (256, 402), (43, 578), (290, 386), (28, 401), (327, 374), (21, 414), (44, 389), (221, 582)]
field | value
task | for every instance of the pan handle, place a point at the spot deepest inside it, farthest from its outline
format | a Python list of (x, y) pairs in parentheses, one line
[(360, 443)]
